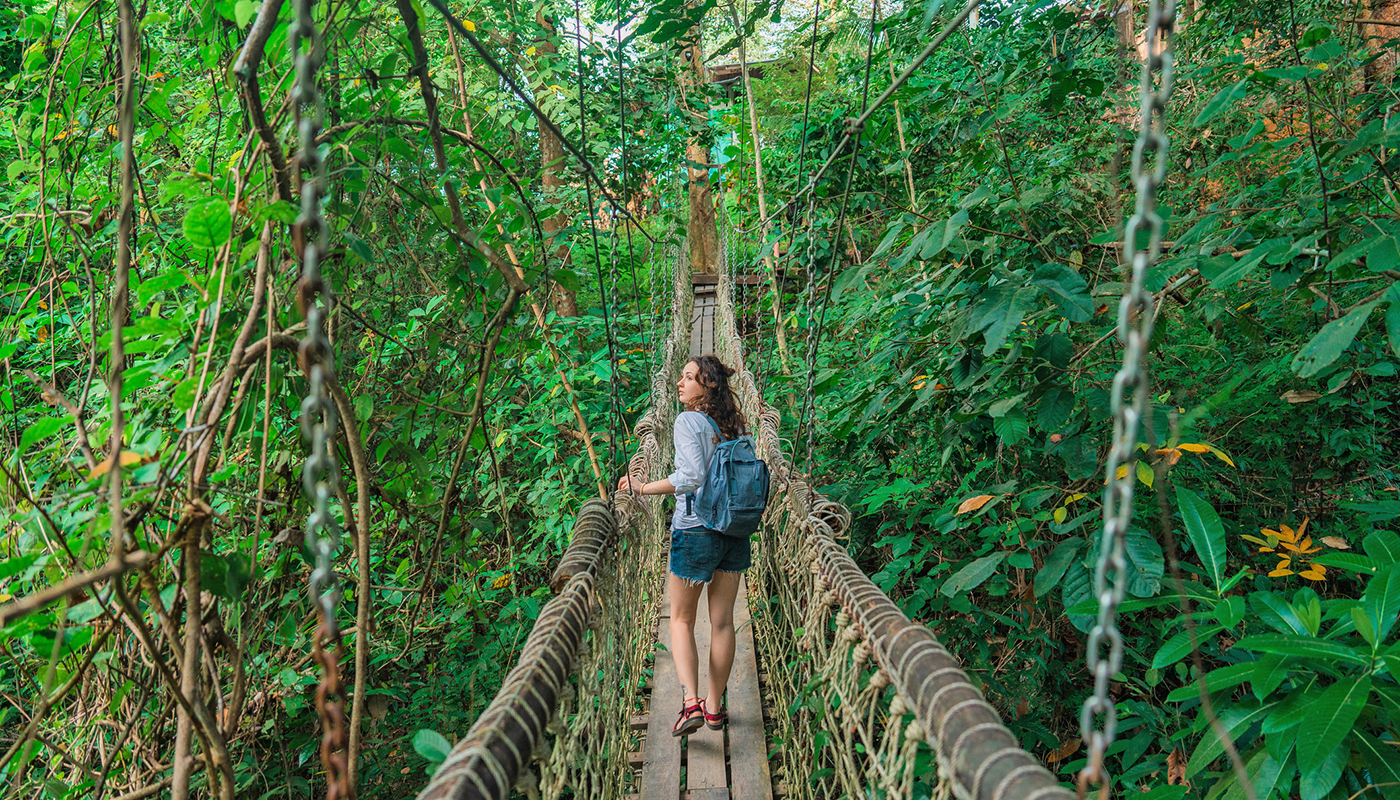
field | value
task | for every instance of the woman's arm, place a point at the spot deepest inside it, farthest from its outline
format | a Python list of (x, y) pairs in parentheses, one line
[(662, 486)]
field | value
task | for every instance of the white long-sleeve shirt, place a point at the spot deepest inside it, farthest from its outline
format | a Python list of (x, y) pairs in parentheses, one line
[(695, 446)]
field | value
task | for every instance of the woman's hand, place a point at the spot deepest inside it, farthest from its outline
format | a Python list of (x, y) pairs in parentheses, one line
[(625, 483)]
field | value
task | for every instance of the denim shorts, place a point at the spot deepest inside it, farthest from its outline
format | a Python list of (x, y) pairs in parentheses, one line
[(696, 553)]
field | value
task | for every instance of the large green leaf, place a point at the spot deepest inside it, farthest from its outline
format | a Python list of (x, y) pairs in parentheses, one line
[(1328, 344), (1078, 588), (431, 745), (1237, 719), (1317, 783), (1067, 289), (1221, 101), (207, 223), (972, 575), (1055, 566), (1145, 563), (1179, 646), (1054, 409), (999, 312), (1269, 672), (1382, 600), (1012, 426), (1381, 760), (1206, 532), (1217, 679), (1329, 720), (1383, 547), (1305, 646)]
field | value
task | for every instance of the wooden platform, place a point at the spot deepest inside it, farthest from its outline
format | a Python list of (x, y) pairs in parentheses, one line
[(702, 323), (728, 764)]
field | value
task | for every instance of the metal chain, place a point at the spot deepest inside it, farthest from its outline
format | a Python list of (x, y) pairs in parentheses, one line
[(318, 416), (1134, 331)]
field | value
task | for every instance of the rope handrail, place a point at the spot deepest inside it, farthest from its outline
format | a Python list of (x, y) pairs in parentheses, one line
[(586, 641), (811, 573)]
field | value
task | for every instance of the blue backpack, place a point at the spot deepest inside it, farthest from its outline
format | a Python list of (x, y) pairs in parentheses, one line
[(735, 491)]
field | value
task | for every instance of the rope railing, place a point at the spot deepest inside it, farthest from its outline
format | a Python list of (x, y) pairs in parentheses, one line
[(561, 720), (858, 670)]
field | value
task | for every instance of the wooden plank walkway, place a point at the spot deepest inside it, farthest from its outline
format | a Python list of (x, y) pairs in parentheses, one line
[(702, 323), (728, 764)]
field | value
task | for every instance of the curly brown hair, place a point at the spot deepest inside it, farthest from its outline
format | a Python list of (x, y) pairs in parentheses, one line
[(720, 402)]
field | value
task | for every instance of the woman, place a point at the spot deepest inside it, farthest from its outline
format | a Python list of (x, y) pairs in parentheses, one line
[(700, 557)]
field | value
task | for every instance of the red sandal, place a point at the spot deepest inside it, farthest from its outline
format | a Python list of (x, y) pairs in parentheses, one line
[(715, 721), (692, 719)]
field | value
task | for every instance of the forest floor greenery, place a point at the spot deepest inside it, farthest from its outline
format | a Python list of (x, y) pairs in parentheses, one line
[(962, 384)]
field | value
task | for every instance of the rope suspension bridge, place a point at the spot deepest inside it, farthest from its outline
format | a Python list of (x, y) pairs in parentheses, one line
[(835, 691)]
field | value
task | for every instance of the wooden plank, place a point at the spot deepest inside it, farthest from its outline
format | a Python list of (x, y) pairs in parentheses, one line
[(705, 748), (748, 745), (661, 762)]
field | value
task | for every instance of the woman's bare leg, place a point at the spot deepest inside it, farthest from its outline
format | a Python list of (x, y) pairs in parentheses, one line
[(685, 597), (724, 588)]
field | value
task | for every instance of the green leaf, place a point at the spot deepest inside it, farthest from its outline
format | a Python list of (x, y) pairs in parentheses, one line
[(568, 280), (1002, 406), (1382, 601), (972, 575), (1145, 563), (1351, 562), (1206, 532), (1077, 588), (1237, 718), (1328, 344), (1055, 566), (1013, 426), (1392, 318), (244, 11), (1316, 784), (207, 223), (1054, 409), (1067, 289), (1383, 547), (999, 312), (1055, 348), (1222, 100), (1269, 673), (42, 429), (1329, 720), (1216, 679), (225, 576), (1179, 646), (359, 247), (1247, 264), (1305, 646), (1381, 760), (431, 745)]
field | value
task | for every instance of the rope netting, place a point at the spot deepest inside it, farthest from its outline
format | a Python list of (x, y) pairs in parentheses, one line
[(561, 720), (858, 688)]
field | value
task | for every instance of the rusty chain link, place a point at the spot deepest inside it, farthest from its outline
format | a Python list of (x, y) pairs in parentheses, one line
[(1134, 331), (318, 414)]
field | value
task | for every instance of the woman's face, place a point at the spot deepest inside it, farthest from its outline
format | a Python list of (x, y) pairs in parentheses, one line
[(691, 392)]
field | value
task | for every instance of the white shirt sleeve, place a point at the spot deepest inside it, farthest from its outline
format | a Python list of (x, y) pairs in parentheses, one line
[(690, 456)]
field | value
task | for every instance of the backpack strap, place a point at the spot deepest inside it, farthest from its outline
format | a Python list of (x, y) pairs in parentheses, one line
[(690, 498)]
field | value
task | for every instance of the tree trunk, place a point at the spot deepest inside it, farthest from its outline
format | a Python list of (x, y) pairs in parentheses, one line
[(551, 160), (704, 236)]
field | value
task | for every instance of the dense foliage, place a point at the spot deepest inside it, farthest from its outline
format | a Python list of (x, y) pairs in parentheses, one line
[(962, 378)]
